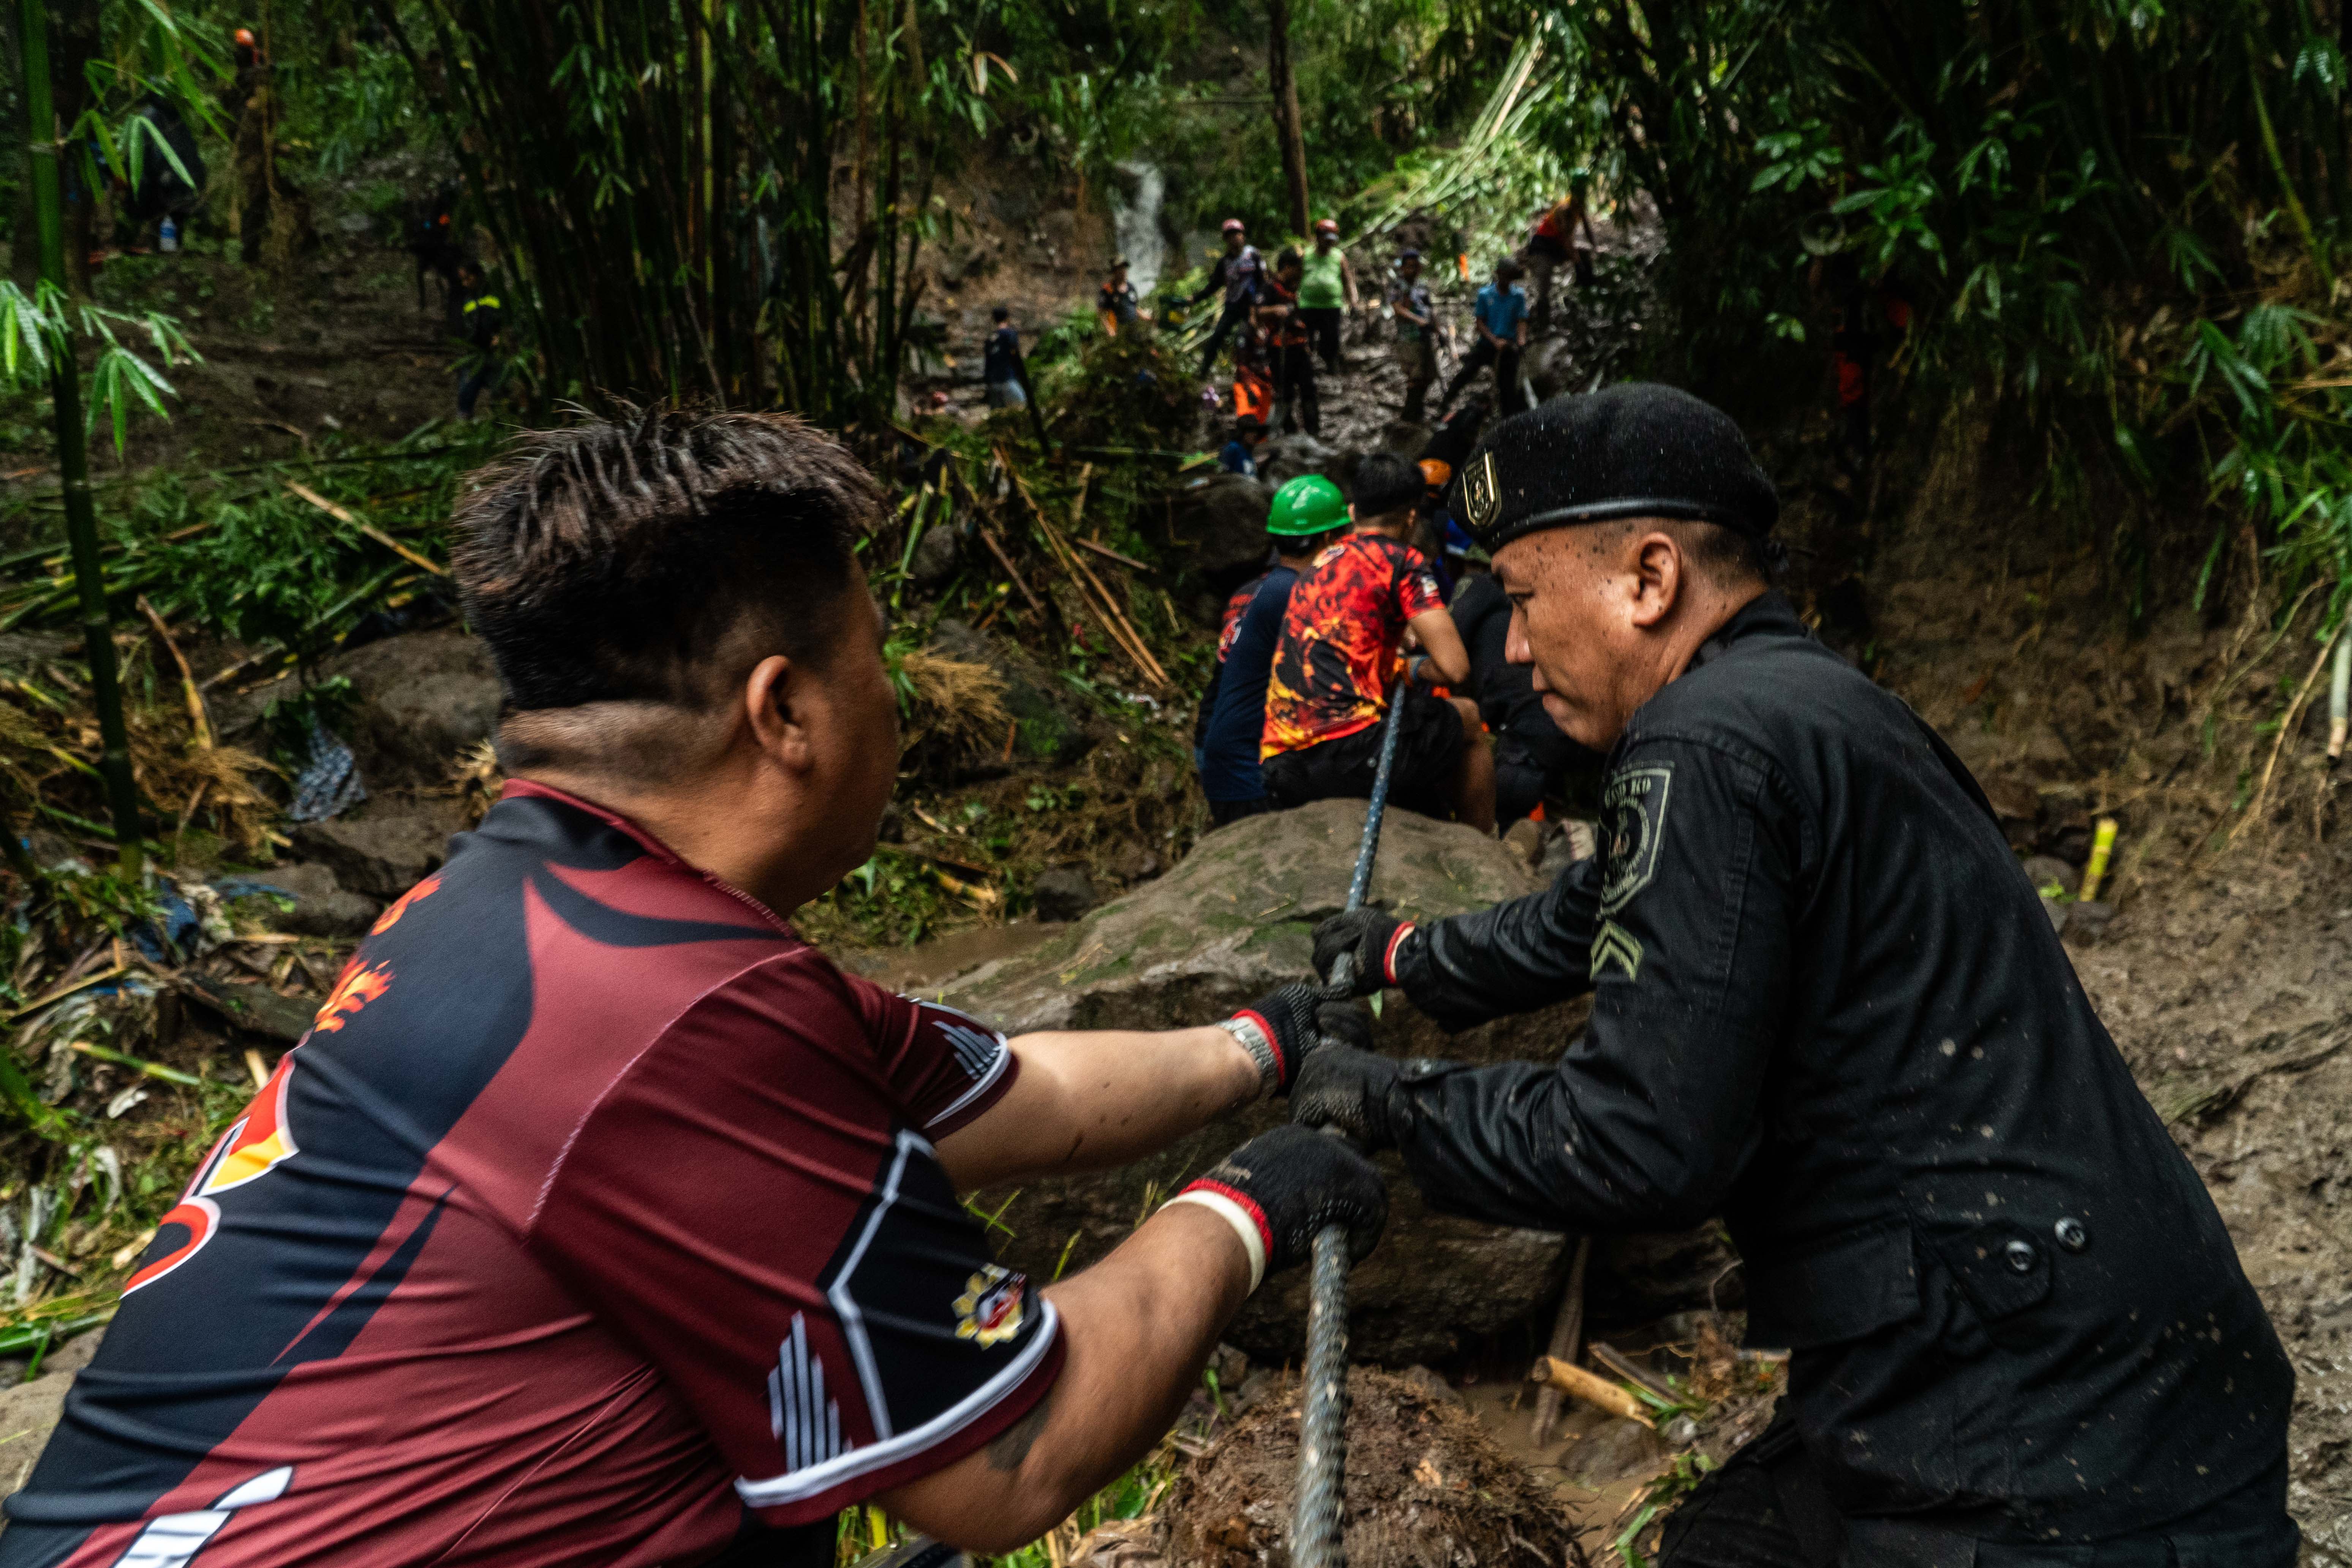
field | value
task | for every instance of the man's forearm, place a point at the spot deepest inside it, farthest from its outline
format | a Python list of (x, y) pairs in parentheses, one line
[(1512, 958), (1087, 1100), (1137, 1327)]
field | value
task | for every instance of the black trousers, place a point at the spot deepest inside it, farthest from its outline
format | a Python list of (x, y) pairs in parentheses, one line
[(1294, 389), (1505, 361), (1323, 330), (1767, 1507), (1234, 316)]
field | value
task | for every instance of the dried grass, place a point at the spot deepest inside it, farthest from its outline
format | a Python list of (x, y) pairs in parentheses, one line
[(953, 700)]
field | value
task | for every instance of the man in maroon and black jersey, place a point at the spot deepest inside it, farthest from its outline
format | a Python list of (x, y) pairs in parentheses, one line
[(1333, 669), (599, 1218)]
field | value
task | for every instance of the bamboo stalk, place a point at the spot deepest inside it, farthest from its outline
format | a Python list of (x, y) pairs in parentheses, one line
[(73, 464), (1594, 1390), (345, 514)]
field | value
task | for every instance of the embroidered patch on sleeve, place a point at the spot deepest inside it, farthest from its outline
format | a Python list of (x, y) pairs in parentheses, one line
[(1633, 810), (1614, 944)]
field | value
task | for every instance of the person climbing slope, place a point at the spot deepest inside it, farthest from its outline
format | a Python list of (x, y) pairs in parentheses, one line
[(1235, 276), (1327, 293), (1287, 338), (1501, 315)]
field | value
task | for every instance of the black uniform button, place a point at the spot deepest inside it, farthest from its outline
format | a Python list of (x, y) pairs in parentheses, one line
[(2072, 1234), (2019, 1256)]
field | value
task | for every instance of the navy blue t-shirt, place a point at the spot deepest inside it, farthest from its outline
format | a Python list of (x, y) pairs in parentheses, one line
[(1229, 750)]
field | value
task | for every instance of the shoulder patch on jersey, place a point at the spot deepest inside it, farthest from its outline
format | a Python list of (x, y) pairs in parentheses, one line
[(989, 1310), (1633, 812)]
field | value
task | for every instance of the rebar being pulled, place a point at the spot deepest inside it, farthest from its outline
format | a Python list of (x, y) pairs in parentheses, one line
[(1317, 1524)]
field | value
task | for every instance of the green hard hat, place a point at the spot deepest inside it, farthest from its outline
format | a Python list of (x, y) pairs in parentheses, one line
[(1308, 504)]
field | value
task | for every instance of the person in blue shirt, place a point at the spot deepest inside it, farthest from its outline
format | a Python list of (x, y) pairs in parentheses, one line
[(1240, 454), (1308, 514), (1501, 313)]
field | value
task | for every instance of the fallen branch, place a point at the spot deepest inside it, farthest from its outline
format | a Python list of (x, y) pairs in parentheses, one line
[(196, 720), (1595, 1391), (345, 515)]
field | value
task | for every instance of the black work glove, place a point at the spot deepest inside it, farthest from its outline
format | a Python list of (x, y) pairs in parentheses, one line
[(1353, 1090), (1289, 1183), (1372, 936), (1293, 1021)]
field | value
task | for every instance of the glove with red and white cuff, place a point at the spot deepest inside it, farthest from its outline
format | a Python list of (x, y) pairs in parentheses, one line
[(1282, 1027), (1374, 938), (1279, 1188)]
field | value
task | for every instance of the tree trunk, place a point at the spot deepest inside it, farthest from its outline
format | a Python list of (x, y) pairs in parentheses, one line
[(76, 44), (1286, 130)]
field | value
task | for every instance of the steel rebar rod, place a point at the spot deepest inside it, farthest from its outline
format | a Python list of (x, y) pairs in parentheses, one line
[(1316, 1530)]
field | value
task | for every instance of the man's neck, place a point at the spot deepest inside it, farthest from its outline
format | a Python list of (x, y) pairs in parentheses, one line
[(691, 825), (1710, 616), (1394, 525)]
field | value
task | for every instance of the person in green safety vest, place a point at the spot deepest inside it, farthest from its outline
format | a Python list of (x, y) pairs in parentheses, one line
[(1327, 288)]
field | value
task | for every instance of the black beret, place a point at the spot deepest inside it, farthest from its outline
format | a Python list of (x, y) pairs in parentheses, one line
[(1637, 449)]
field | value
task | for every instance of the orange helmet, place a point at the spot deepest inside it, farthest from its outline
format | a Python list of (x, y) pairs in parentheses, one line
[(1435, 472), (244, 35)]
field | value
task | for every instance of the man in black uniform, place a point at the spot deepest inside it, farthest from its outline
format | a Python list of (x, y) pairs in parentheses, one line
[(1826, 1007)]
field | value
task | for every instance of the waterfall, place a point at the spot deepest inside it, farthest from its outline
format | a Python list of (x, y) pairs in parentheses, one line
[(1135, 223)]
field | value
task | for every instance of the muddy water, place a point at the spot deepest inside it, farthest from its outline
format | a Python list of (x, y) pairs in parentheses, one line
[(922, 969)]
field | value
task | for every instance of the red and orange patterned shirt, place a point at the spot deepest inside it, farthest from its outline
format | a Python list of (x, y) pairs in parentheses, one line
[(1337, 656)]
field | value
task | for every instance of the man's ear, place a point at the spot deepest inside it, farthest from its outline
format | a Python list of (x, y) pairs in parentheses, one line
[(774, 704), (1657, 578)]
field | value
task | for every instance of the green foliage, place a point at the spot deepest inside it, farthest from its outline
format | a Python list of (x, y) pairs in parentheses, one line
[(2127, 219), (39, 330)]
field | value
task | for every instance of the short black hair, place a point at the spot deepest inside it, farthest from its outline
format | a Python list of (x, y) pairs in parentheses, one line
[(1288, 257), (1509, 271), (1725, 557), (1386, 483), (1001, 314), (1296, 544), (609, 560)]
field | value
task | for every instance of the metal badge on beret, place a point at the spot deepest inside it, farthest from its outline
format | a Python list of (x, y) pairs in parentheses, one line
[(1482, 497)]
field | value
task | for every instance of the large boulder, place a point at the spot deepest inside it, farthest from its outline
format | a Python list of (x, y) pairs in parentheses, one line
[(386, 846), (1230, 922), (421, 698), (1220, 521)]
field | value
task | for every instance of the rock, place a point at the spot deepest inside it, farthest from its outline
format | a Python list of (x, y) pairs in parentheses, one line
[(1636, 1279), (29, 1412), (1221, 519), (388, 846), (1227, 925), (1135, 863), (1526, 839), (2043, 870), (1613, 1451), (936, 556), (1285, 457), (1551, 369), (321, 905), (423, 698), (1064, 893), (2086, 922), (74, 1354), (2056, 910), (254, 1007), (1053, 723)]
